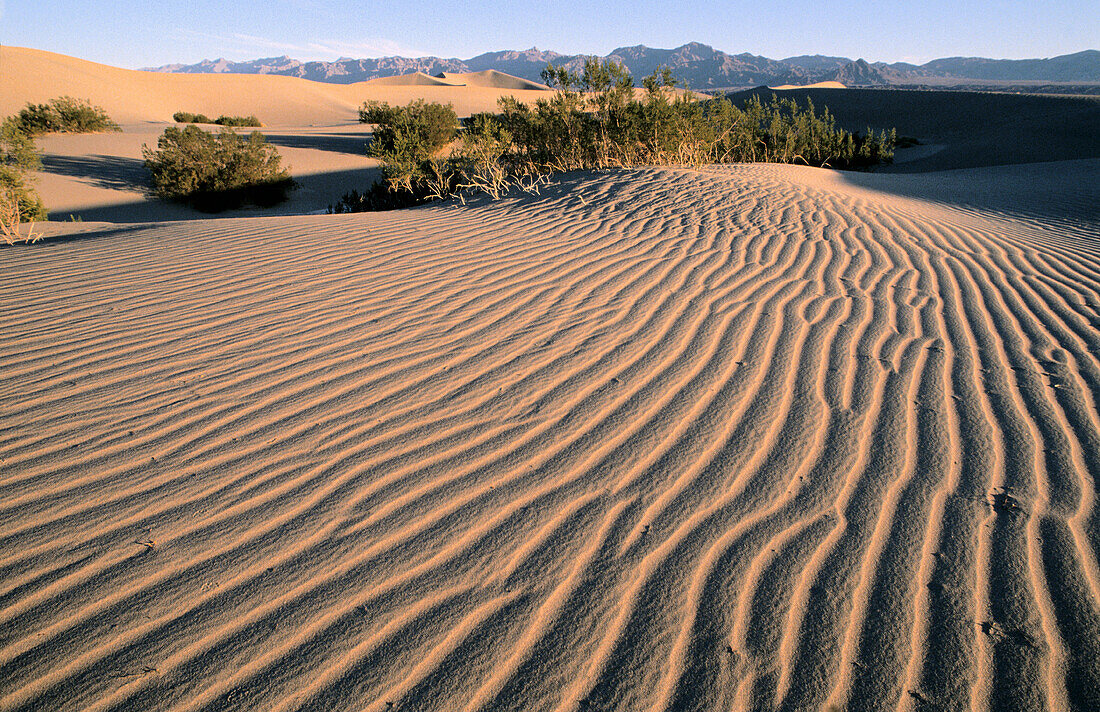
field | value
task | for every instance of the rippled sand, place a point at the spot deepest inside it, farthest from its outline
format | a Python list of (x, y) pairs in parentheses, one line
[(751, 438)]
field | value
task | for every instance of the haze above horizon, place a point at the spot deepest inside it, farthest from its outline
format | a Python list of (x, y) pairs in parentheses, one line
[(159, 32)]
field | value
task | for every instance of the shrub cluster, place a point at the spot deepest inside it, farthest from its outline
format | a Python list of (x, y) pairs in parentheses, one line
[(214, 172), (184, 117), (598, 119), (407, 139), (246, 121), (18, 200), (64, 114)]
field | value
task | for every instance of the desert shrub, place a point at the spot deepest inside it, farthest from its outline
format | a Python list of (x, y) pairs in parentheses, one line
[(79, 116), (481, 162), (35, 119), (605, 124), (18, 200), (19, 203), (595, 119), (18, 191), (407, 138), (17, 149), (782, 131), (184, 117), (65, 114), (248, 121), (215, 172)]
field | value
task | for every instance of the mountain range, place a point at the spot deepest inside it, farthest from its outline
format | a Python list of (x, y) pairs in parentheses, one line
[(702, 67)]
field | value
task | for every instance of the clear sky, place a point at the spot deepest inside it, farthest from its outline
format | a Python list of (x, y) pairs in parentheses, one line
[(136, 33)]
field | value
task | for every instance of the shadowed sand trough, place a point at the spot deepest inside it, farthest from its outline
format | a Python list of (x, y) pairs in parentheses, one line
[(743, 438)]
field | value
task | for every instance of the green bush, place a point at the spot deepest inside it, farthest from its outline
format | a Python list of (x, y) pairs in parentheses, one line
[(79, 116), (407, 138), (38, 119), (184, 117), (215, 172), (65, 114), (237, 121), (18, 200), (14, 188), (596, 120), (17, 148)]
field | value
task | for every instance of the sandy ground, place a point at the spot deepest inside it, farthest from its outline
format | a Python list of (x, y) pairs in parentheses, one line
[(314, 125), (815, 85), (30, 75), (750, 437)]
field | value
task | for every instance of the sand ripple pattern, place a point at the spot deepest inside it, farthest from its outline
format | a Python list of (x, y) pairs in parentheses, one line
[(734, 439)]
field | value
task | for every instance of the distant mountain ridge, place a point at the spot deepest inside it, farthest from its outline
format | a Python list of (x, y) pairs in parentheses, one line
[(700, 66)]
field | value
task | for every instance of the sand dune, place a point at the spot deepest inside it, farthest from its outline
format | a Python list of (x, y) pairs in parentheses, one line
[(493, 78), (315, 126), (414, 79), (133, 97), (490, 78), (750, 438), (816, 85)]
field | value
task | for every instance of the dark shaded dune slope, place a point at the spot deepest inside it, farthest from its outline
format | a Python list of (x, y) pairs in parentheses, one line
[(975, 128)]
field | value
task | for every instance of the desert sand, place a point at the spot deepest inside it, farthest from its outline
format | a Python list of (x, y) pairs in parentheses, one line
[(815, 85), (750, 437), (136, 97), (414, 79), (494, 79), (314, 125)]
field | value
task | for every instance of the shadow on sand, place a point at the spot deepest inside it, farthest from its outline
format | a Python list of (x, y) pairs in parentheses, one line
[(975, 128), (114, 172), (1066, 192), (315, 193), (354, 144)]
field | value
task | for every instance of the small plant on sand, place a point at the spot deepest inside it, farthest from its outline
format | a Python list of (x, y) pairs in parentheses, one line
[(598, 119), (17, 149), (245, 121), (407, 138), (214, 172), (184, 117), (65, 114), (13, 212), (19, 202)]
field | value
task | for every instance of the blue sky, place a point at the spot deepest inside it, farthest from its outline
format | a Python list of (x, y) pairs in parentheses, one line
[(135, 34)]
